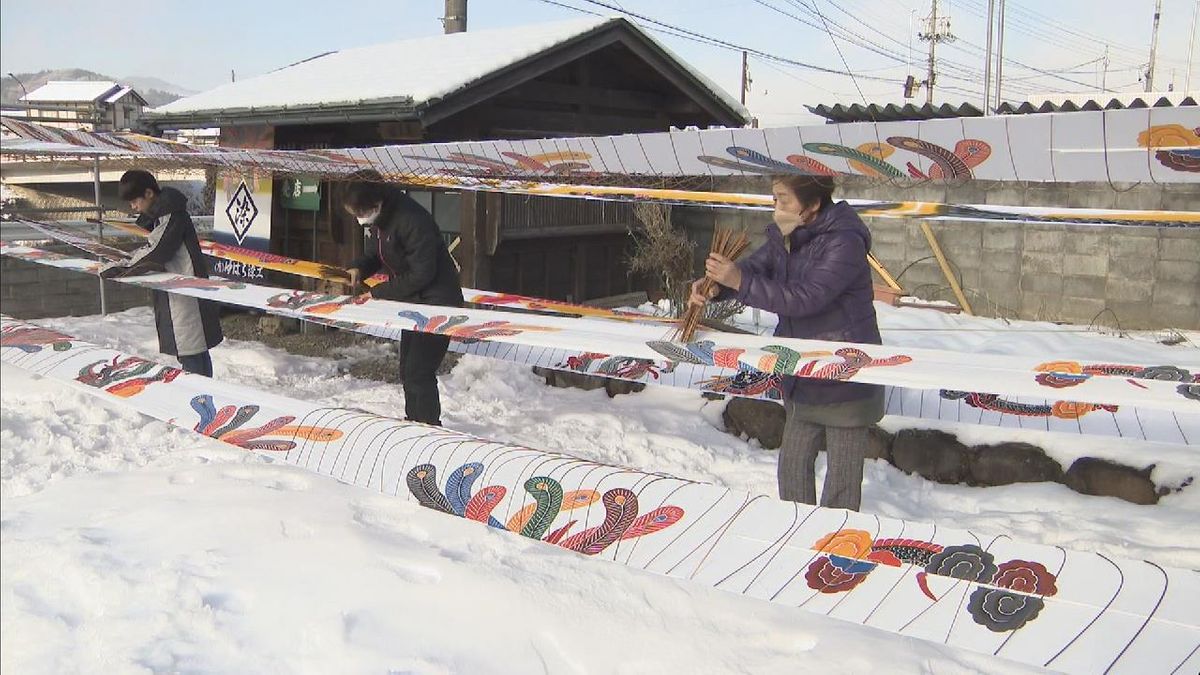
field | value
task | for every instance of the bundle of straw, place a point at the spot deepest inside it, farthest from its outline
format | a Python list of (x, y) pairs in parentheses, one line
[(728, 243)]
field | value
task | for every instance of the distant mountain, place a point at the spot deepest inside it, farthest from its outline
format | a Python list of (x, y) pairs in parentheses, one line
[(141, 82), (156, 92)]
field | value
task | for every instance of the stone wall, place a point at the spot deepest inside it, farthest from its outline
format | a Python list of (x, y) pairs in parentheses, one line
[(32, 291), (1134, 277)]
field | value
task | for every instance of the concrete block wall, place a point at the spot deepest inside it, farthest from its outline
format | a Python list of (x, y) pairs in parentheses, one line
[(32, 291), (1134, 277), (1137, 277)]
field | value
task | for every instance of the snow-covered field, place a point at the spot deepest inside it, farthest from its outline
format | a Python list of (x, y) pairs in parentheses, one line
[(129, 546)]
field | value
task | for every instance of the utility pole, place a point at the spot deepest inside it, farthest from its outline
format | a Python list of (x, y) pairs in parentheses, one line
[(937, 31), (1153, 46), (1000, 57), (455, 20), (987, 62), (745, 76), (1187, 84), (1104, 76)]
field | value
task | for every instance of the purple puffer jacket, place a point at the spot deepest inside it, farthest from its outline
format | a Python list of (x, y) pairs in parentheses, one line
[(821, 289)]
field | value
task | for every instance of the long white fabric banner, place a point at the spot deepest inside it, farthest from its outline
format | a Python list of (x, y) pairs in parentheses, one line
[(538, 339), (557, 174), (1155, 145), (970, 407), (1036, 604)]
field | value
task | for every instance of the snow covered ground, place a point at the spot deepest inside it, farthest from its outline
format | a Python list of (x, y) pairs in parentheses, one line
[(129, 546)]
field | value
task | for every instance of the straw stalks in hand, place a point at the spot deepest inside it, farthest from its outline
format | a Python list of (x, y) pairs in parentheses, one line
[(728, 243)]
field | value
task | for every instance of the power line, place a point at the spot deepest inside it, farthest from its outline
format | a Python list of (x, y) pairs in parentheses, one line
[(577, 9), (1051, 31), (1089, 38), (839, 51), (953, 69), (729, 45), (964, 74)]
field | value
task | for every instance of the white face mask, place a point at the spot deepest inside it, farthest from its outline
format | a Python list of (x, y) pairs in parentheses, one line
[(368, 219), (788, 221)]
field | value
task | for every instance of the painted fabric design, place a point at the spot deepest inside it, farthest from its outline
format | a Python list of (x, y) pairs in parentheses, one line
[(1036, 604)]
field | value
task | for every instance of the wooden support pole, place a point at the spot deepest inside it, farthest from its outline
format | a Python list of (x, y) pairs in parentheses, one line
[(941, 258), (100, 225), (883, 273), (479, 236), (471, 247)]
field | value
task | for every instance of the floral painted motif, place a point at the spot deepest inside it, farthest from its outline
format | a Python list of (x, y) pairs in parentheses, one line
[(847, 543), (229, 425), (621, 519), (1176, 146), (746, 383), (868, 159), (31, 339), (616, 366), (193, 282), (1063, 374), (312, 302), (1165, 374), (966, 561), (835, 574), (1067, 410), (457, 327), (780, 360), (558, 307), (849, 560), (1009, 595), (552, 163), (1018, 600), (126, 377)]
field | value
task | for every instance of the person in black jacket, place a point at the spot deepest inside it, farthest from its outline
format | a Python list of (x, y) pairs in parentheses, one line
[(408, 248), (187, 327)]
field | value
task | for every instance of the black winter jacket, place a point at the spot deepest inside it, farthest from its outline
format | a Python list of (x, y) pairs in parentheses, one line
[(407, 246), (186, 326)]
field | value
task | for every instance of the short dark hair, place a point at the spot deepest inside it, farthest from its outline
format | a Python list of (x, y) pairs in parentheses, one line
[(134, 184), (809, 189), (366, 190)]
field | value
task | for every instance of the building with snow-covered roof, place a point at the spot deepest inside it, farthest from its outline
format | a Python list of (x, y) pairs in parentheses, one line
[(89, 105), (586, 76), (593, 76)]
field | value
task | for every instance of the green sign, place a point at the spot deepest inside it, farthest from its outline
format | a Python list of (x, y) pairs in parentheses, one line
[(301, 194)]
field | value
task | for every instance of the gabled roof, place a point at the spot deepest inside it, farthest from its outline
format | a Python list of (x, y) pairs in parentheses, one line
[(122, 93), (72, 92), (412, 74)]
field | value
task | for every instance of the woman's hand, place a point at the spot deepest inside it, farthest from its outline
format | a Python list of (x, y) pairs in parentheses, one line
[(722, 270), (698, 295)]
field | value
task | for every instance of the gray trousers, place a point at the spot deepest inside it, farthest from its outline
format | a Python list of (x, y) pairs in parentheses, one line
[(845, 448)]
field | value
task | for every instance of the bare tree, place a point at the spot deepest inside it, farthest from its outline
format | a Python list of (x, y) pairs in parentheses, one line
[(665, 253)]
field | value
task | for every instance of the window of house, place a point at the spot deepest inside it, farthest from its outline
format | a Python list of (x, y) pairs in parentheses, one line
[(446, 211)]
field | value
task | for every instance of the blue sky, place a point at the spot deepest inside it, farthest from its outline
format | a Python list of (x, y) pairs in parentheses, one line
[(197, 44)]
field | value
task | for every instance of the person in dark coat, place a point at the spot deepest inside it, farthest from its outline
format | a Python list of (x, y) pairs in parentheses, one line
[(187, 327), (813, 272), (407, 246)]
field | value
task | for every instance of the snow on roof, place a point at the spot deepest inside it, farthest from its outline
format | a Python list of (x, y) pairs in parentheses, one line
[(116, 96), (74, 92), (417, 69)]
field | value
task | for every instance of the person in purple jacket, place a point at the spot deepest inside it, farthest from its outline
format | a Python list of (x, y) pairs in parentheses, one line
[(813, 272)]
